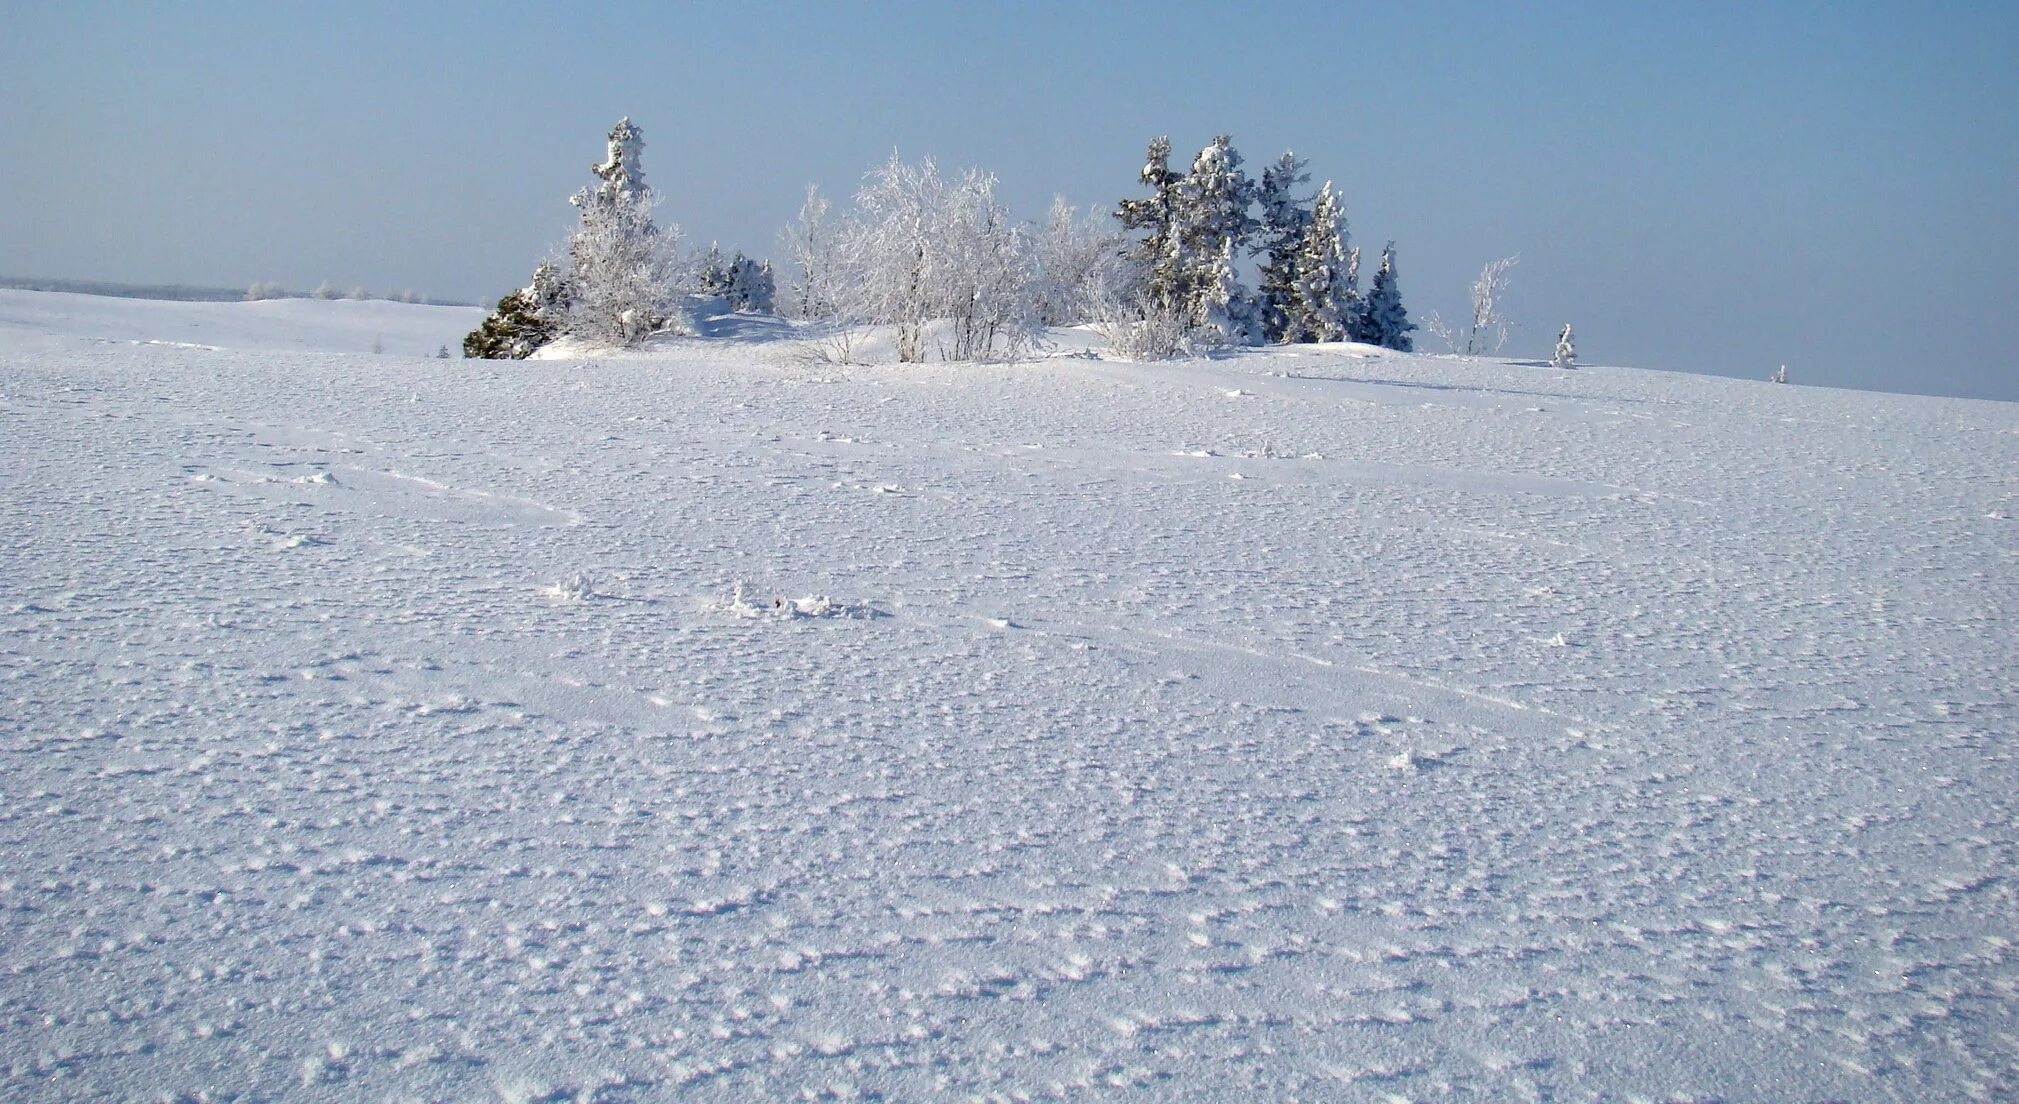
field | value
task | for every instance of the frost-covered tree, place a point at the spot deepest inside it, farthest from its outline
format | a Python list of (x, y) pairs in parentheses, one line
[(917, 250), (1322, 303), (1486, 332), (1566, 350), (1780, 375), (1078, 262), (620, 262), (809, 244), (1285, 220), (525, 320), (712, 278), (751, 288), (1385, 323), (1157, 254), (1213, 225)]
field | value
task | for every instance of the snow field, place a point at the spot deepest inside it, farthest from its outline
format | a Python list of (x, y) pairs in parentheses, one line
[(1315, 724)]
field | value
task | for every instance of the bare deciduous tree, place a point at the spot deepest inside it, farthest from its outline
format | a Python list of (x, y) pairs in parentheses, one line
[(1486, 334)]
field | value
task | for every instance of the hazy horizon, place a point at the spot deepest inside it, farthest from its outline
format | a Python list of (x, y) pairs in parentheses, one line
[(1719, 190)]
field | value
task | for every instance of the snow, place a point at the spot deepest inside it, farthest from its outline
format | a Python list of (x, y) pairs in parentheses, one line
[(714, 723)]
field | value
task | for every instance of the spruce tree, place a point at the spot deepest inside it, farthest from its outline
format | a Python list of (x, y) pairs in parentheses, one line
[(1280, 241), (713, 278), (1213, 224), (1321, 301), (751, 288), (1387, 324), (1157, 216)]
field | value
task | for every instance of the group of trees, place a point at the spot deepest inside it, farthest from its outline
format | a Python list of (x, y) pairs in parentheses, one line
[(941, 263), (1196, 227), (621, 278)]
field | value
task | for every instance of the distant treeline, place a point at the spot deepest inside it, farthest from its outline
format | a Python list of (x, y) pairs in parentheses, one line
[(190, 293)]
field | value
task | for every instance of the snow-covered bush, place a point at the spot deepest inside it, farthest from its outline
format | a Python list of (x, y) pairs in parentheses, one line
[(1486, 332), (1565, 355), (524, 321)]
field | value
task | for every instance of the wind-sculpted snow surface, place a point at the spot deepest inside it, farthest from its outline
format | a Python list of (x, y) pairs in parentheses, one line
[(1316, 724)]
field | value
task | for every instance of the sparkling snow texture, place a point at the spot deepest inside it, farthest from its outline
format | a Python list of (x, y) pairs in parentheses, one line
[(717, 724)]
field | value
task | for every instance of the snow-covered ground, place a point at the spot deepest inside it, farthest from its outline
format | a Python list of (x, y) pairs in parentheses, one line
[(1310, 724)]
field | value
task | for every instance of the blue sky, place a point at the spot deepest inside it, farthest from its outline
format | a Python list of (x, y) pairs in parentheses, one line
[(1705, 187)]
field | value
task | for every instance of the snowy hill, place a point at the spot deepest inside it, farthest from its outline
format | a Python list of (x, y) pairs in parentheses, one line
[(1318, 724), (270, 325)]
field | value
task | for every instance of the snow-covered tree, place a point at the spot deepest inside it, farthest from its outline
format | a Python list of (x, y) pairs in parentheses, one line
[(1078, 261), (751, 288), (620, 262), (917, 250), (1566, 350), (1213, 225), (1322, 303), (1779, 376), (1285, 219), (1157, 255), (1385, 323), (1486, 332), (712, 278), (525, 320), (810, 245)]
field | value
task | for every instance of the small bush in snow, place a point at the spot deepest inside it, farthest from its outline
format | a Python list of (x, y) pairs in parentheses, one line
[(1566, 350)]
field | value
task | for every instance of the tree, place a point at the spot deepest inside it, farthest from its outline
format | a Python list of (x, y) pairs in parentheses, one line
[(1321, 303), (713, 279), (1079, 262), (524, 321), (1385, 323), (1281, 243), (1486, 333), (1566, 350), (917, 251), (1157, 254), (1212, 225), (620, 263), (810, 244), (750, 287)]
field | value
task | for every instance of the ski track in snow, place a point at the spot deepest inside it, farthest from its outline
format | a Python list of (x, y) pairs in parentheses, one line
[(1500, 734)]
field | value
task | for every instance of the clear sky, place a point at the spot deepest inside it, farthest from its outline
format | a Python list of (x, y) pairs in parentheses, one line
[(1707, 187)]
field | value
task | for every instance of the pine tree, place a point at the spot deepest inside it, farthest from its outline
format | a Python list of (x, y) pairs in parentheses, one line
[(1386, 323), (713, 278), (1355, 304), (1281, 241), (1157, 215), (1566, 350), (1213, 224), (525, 320), (1322, 303), (750, 287)]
